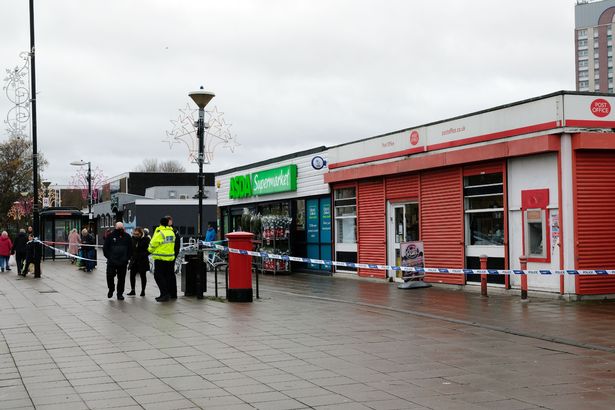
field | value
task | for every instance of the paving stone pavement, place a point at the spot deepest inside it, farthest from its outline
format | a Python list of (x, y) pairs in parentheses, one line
[(309, 342)]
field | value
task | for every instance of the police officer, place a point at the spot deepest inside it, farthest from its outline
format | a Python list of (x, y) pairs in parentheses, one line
[(162, 249)]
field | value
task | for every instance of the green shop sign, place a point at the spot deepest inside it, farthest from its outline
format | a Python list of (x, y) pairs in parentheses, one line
[(271, 181)]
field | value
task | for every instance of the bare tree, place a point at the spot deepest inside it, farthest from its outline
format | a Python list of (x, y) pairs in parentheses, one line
[(148, 165), (152, 165), (171, 166)]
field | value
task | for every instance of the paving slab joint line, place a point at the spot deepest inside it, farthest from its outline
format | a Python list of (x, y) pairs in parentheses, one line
[(501, 329)]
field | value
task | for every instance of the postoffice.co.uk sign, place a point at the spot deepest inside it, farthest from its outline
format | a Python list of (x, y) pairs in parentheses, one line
[(271, 181)]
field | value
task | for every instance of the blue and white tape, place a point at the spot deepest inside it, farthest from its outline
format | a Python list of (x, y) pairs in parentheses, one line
[(326, 262)]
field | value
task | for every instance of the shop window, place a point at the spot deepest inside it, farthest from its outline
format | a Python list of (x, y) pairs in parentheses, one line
[(300, 220), (276, 208), (345, 215), (484, 209)]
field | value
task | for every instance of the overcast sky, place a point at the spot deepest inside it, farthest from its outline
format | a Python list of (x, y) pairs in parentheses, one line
[(289, 75)]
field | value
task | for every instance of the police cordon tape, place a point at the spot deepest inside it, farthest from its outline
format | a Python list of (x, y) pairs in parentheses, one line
[(410, 269), (421, 271)]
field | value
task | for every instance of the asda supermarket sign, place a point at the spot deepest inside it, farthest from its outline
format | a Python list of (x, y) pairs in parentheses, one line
[(271, 181)]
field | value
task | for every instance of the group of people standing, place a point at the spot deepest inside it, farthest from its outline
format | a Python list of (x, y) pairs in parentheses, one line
[(27, 252), (125, 253), (84, 246)]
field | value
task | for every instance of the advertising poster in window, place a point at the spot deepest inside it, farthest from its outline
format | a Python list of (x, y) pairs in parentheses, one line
[(412, 255), (313, 250), (325, 220), (554, 226), (312, 220)]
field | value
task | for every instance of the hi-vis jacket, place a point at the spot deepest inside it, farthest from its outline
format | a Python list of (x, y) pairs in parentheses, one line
[(162, 245)]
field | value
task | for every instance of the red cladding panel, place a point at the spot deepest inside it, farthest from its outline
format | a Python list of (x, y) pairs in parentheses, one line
[(595, 219), (402, 187), (371, 226), (441, 210)]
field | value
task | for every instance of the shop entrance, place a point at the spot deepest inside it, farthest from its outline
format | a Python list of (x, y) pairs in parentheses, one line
[(402, 226)]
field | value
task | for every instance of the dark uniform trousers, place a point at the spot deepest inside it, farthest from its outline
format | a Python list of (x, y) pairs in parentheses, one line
[(164, 274)]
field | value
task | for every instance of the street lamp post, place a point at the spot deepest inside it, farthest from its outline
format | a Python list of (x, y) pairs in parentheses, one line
[(81, 163), (35, 217), (201, 98)]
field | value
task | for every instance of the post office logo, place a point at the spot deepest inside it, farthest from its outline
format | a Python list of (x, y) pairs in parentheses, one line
[(414, 137), (600, 107)]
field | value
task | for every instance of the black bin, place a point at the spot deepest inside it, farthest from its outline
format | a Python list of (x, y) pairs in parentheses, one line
[(193, 281)]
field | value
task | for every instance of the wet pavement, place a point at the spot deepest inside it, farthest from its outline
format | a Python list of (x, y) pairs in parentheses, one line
[(309, 342)]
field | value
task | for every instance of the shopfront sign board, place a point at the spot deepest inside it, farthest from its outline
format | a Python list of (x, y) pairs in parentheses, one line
[(270, 181)]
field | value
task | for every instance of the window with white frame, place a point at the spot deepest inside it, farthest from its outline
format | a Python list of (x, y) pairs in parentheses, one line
[(484, 209), (345, 201)]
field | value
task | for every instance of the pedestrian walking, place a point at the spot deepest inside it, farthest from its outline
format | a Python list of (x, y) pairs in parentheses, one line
[(162, 248), (139, 263), (73, 243), (6, 247), (19, 248), (34, 253), (87, 250), (118, 250)]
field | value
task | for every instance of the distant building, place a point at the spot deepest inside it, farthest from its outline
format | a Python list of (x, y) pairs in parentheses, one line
[(593, 36), (142, 198)]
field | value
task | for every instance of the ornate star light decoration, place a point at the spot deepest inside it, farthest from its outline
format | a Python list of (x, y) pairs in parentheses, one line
[(217, 133), (17, 91)]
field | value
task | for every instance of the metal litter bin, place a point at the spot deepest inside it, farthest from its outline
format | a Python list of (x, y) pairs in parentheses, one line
[(193, 281)]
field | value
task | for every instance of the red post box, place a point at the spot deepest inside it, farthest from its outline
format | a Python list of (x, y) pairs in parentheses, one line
[(239, 268)]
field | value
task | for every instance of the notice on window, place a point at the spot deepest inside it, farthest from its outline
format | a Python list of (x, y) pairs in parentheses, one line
[(554, 227)]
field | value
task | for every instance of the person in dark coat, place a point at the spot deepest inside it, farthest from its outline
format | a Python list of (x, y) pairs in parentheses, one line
[(19, 248), (34, 253), (87, 250), (139, 263), (118, 251)]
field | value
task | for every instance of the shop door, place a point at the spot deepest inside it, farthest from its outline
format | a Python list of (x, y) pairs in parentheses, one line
[(403, 226)]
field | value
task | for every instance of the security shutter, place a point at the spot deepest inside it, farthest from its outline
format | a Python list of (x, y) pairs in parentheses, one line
[(371, 226), (441, 210), (402, 187), (595, 219)]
